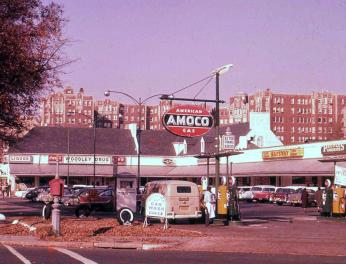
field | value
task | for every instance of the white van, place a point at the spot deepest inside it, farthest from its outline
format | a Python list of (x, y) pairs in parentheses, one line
[(182, 198)]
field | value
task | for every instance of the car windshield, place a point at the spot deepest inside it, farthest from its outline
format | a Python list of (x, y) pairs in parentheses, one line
[(256, 189), (269, 189)]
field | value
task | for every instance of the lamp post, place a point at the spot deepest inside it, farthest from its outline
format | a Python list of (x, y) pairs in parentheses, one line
[(140, 103), (218, 72)]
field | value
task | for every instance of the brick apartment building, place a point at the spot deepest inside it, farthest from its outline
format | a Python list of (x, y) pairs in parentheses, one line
[(295, 118), (67, 109)]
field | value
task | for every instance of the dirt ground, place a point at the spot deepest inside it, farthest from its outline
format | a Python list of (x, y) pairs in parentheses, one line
[(91, 229)]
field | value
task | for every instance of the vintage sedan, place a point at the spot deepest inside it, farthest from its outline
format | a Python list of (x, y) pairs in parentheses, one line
[(244, 192), (262, 193), (295, 198), (280, 196)]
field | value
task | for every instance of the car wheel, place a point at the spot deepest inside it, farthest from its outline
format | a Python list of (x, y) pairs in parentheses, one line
[(82, 212), (47, 211), (125, 216), (279, 203)]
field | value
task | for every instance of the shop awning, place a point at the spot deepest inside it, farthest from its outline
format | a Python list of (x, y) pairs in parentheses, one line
[(306, 167)]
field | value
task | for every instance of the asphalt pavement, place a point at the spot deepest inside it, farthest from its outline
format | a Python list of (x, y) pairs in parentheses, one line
[(56, 255), (266, 232)]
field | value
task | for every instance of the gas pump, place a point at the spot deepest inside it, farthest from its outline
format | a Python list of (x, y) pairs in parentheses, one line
[(338, 201), (327, 199), (222, 200), (233, 208)]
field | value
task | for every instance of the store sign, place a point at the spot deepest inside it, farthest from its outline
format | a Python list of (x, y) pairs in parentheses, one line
[(228, 142), (119, 160), (79, 159), (332, 150), (53, 158), (155, 206), (20, 159), (187, 121), (340, 175), (283, 154), (168, 162)]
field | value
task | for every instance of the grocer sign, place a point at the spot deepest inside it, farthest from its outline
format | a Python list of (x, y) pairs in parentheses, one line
[(187, 121)]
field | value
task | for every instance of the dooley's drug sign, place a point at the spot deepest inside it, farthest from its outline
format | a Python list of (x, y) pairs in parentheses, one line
[(187, 121)]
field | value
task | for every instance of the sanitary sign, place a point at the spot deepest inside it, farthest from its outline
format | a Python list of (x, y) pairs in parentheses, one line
[(340, 175), (187, 120), (155, 206)]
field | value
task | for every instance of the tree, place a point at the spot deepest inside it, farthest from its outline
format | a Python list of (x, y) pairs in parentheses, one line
[(31, 59)]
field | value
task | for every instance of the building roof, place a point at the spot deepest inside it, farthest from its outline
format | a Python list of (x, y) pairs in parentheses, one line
[(111, 141), (55, 140), (160, 142)]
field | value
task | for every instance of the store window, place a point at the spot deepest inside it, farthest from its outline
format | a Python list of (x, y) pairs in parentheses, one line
[(298, 180)]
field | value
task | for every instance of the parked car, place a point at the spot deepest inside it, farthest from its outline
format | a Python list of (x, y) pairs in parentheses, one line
[(262, 192), (46, 196), (32, 195), (295, 198), (22, 193), (92, 199), (243, 191), (280, 196)]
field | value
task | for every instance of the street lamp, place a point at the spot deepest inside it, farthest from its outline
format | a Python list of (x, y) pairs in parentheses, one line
[(218, 72), (139, 102)]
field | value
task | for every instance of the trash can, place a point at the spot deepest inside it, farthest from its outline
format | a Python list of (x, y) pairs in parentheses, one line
[(327, 202)]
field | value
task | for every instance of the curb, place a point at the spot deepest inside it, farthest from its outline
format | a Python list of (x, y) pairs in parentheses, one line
[(113, 245)]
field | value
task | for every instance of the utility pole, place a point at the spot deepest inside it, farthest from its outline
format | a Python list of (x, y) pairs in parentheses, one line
[(217, 127)]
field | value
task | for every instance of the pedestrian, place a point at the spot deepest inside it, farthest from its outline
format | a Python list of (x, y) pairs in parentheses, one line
[(8, 190), (318, 199), (304, 198), (4, 189), (1, 193), (209, 198)]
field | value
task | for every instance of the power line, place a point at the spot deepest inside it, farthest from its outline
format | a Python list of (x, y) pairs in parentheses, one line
[(190, 85), (198, 93)]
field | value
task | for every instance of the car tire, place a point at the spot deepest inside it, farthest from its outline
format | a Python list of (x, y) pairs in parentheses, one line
[(125, 216), (82, 212), (47, 211)]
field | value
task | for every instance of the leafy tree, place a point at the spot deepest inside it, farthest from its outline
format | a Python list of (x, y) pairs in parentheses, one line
[(31, 59)]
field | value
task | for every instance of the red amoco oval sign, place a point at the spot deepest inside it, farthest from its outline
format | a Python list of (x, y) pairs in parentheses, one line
[(187, 120)]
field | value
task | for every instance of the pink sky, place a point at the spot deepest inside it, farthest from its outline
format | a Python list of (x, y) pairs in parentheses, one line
[(147, 47)]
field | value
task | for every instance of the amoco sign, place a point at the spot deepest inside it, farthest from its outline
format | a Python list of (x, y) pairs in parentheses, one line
[(188, 121)]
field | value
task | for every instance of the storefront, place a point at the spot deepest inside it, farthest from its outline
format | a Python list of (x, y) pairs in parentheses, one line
[(35, 163)]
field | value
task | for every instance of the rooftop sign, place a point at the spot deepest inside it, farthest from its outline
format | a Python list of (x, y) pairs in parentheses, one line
[(187, 121)]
